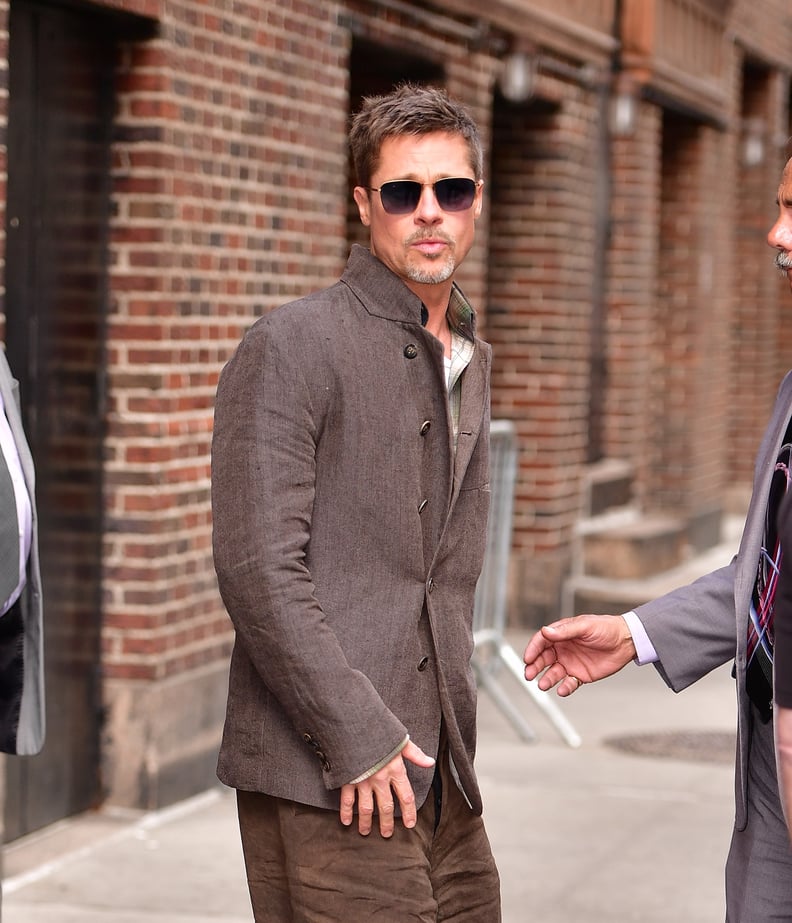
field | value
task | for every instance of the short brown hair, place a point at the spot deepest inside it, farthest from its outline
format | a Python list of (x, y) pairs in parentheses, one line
[(409, 109)]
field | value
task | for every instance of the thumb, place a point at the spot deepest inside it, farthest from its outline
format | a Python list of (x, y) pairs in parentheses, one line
[(561, 630), (415, 754)]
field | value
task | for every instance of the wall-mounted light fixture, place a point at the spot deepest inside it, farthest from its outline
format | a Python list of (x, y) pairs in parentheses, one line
[(518, 75), (753, 142), (623, 107)]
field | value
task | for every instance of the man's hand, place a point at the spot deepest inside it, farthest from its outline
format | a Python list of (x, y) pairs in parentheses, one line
[(379, 791), (579, 650)]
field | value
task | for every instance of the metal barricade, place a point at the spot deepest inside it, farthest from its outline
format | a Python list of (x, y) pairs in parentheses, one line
[(492, 652)]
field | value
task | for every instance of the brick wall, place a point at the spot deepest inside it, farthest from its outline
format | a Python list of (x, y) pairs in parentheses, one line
[(228, 192), (691, 349), (542, 282), (758, 298), (633, 267)]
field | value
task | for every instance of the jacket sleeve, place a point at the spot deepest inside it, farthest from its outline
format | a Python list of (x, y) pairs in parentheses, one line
[(267, 423), (692, 628)]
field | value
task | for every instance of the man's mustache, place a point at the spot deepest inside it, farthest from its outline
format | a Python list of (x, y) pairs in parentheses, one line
[(418, 236), (783, 261)]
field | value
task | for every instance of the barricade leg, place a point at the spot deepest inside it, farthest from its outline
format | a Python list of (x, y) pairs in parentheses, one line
[(507, 656)]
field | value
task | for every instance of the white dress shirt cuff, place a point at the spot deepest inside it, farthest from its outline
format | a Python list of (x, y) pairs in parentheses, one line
[(644, 649)]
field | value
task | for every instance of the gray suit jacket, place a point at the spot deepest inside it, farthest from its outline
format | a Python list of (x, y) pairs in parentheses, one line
[(348, 539), (704, 625), (22, 724)]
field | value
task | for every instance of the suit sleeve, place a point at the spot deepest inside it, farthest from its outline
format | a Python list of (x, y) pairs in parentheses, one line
[(692, 628)]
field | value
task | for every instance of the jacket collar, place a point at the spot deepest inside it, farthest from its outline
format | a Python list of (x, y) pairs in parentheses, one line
[(383, 294)]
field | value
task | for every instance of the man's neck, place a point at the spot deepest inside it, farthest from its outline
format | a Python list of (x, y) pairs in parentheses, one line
[(435, 299), (437, 325)]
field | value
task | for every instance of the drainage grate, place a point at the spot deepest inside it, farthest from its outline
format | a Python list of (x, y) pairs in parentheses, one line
[(698, 746)]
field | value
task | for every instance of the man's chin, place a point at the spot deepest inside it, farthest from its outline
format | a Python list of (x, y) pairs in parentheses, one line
[(431, 276)]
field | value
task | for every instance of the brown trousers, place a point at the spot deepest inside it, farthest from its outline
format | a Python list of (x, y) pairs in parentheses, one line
[(304, 866)]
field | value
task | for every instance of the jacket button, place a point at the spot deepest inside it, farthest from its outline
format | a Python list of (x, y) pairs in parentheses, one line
[(430, 585), (423, 663), (307, 738), (410, 351), (425, 427), (422, 505)]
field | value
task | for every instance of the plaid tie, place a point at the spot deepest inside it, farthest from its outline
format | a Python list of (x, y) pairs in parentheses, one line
[(759, 676)]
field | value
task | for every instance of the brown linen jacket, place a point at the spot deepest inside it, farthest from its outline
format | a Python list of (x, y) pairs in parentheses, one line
[(348, 539)]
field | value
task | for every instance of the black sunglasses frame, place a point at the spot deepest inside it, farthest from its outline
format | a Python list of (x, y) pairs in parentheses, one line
[(401, 196)]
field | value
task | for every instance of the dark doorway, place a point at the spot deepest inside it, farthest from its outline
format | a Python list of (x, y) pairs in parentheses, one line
[(60, 114)]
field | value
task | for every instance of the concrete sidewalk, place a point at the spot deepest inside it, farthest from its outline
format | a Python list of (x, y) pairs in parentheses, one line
[(596, 834)]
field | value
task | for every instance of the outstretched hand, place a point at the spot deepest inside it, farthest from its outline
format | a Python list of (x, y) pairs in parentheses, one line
[(378, 792), (571, 652)]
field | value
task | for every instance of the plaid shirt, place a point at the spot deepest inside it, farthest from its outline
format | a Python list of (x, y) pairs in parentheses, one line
[(461, 354)]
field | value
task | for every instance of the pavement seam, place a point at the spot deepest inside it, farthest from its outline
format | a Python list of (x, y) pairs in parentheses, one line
[(149, 821)]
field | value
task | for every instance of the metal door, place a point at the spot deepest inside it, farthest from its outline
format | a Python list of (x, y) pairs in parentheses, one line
[(60, 107)]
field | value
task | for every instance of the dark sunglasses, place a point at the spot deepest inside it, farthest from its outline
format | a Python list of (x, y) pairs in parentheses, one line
[(401, 196)]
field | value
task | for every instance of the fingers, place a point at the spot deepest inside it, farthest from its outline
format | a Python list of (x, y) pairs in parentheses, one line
[(537, 652), (390, 781), (347, 811), (557, 675), (365, 809), (554, 674), (569, 685), (379, 792), (535, 664), (540, 652)]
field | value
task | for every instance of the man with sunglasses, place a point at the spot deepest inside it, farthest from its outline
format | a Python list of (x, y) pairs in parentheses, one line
[(350, 494)]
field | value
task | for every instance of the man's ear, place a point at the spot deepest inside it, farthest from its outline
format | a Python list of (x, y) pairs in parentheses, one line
[(479, 203), (363, 203)]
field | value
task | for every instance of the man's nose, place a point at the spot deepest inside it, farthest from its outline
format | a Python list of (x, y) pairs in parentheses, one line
[(428, 207), (779, 237)]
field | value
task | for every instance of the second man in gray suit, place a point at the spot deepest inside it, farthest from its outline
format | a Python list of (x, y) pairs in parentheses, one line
[(691, 631)]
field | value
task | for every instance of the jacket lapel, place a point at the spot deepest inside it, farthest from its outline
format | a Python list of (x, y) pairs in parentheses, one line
[(10, 392), (473, 411)]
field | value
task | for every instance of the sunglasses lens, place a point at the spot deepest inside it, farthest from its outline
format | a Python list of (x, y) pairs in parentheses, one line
[(455, 195), (400, 197)]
